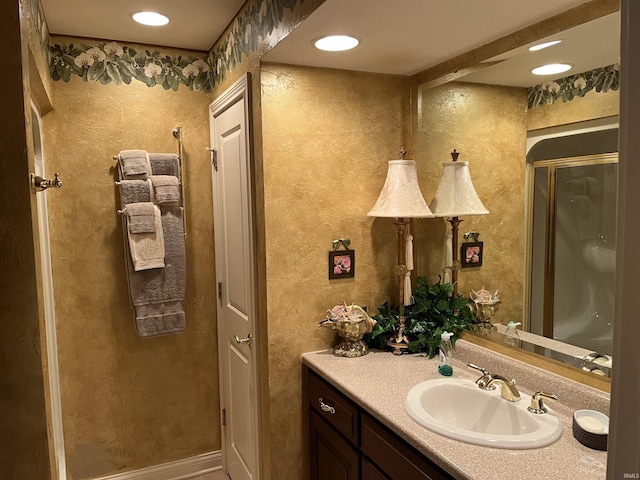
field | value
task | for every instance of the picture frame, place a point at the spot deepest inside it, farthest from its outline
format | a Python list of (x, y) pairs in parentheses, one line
[(342, 264), (471, 254)]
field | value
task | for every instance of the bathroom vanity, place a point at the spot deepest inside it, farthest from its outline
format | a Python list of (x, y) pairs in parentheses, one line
[(359, 429), (348, 443)]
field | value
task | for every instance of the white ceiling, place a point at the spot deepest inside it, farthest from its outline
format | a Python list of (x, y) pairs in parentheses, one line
[(193, 24), (397, 37), (407, 36)]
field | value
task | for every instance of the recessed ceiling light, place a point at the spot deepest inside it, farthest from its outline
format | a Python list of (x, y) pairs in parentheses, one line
[(540, 46), (336, 43), (153, 19), (551, 69)]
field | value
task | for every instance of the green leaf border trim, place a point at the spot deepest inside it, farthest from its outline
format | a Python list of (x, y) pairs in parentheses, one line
[(108, 62), (112, 62), (258, 21), (601, 79)]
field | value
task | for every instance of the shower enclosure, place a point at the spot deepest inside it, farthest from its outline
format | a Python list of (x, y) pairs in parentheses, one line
[(573, 236)]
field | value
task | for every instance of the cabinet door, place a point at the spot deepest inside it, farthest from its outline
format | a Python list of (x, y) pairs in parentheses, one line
[(370, 472), (394, 456), (332, 457)]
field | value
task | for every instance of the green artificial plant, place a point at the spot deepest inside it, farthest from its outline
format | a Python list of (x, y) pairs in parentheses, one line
[(433, 312)]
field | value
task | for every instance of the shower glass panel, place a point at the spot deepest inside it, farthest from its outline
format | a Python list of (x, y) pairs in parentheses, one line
[(573, 237), (584, 258)]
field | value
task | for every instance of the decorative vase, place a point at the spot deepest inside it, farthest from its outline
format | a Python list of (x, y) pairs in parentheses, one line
[(484, 305), (352, 323)]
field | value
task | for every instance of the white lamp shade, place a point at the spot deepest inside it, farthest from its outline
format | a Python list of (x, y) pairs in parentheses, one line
[(401, 197), (456, 196)]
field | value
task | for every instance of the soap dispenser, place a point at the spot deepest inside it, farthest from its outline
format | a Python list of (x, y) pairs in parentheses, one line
[(445, 365), (511, 335)]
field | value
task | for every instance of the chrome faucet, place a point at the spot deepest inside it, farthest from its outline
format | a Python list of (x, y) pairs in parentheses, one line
[(488, 381)]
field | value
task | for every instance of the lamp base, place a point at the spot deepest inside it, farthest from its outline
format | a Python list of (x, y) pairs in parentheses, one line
[(399, 342)]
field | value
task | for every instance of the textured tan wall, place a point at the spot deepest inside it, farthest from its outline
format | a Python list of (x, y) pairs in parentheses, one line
[(24, 453), (487, 125), (593, 105), (327, 135), (128, 403)]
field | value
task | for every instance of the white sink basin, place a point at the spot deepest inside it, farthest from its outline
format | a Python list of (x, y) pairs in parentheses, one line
[(459, 409)]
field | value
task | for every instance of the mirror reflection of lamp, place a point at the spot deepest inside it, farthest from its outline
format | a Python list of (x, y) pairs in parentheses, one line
[(401, 199), (456, 197)]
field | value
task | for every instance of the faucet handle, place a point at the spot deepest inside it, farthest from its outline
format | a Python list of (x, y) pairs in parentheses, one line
[(537, 406), (483, 381), (480, 369)]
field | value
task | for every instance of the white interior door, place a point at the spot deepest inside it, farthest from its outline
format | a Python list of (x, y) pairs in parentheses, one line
[(237, 333)]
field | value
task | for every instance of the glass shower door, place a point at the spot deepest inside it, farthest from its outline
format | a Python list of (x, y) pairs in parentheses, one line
[(574, 272)]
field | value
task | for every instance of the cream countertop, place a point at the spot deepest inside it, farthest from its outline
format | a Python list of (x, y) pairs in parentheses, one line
[(380, 381)]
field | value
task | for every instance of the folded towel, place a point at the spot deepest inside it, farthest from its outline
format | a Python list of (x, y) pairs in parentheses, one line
[(147, 249), (157, 294), (160, 319), (135, 164), (166, 189), (133, 191), (142, 217), (163, 284), (165, 164)]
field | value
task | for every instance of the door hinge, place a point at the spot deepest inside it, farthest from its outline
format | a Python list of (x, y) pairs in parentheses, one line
[(223, 420), (214, 159), (220, 290)]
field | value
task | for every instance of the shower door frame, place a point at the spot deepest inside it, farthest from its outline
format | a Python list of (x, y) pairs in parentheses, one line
[(550, 221)]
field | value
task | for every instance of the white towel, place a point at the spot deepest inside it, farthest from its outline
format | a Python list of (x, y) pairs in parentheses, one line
[(147, 249)]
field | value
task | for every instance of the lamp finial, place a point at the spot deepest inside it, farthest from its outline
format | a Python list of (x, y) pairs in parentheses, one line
[(454, 155), (403, 152)]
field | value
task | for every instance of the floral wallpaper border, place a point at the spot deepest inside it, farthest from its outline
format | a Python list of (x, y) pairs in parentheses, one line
[(108, 62), (40, 26), (567, 88), (257, 21)]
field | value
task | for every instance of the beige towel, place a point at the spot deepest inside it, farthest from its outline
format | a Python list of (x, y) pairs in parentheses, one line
[(135, 164), (147, 249), (142, 217), (166, 190)]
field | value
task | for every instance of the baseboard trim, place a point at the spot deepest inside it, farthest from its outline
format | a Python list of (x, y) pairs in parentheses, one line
[(178, 470)]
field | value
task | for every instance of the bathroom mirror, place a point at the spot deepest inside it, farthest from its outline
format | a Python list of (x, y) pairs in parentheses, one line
[(549, 243), (472, 106)]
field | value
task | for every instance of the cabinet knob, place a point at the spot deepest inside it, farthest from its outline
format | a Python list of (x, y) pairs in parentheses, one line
[(326, 407)]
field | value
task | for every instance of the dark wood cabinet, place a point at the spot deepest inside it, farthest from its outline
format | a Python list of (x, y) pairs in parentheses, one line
[(371, 472), (332, 457), (347, 443)]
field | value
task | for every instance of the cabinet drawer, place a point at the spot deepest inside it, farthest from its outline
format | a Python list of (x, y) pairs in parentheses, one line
[(393, 456), (334, 407)]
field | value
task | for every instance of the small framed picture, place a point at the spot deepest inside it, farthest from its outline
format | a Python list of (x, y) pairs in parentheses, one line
[(471, 254), (342, 264)]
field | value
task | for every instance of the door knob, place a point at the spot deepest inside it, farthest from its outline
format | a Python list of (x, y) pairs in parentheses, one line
[(242, 341)]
